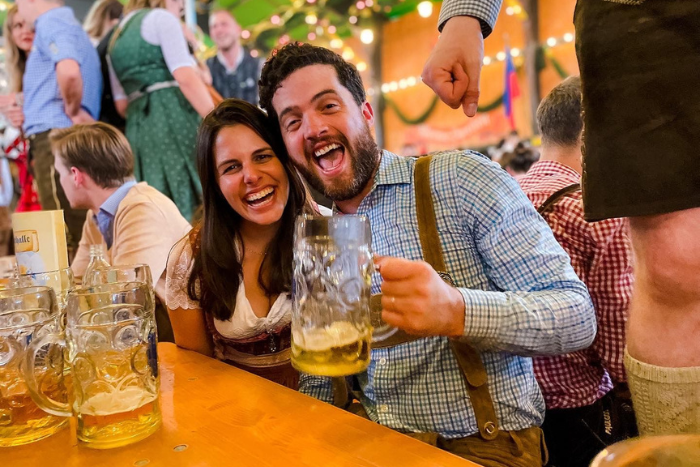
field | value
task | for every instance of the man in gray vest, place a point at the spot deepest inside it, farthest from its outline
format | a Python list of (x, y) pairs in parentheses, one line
[(234, 71)]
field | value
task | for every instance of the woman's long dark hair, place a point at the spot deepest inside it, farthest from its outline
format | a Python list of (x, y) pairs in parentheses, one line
[(217, 265)]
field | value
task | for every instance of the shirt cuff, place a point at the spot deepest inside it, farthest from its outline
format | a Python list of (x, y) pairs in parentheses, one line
[(483, 315), (486, 12)]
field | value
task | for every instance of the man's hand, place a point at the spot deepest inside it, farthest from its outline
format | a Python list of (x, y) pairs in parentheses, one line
[(417, 300), (454, 65), (14, 115), (82, 117)]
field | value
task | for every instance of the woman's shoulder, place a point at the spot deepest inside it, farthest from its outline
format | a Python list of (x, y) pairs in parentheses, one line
[(182, 252)]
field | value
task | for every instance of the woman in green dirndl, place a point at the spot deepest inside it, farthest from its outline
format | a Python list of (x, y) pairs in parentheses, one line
[(156, 85)]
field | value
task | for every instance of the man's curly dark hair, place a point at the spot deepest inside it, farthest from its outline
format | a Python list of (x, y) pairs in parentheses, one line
[(296, 55)]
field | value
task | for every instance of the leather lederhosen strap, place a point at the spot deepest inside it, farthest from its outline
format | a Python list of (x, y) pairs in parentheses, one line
[(468, 357), (550, 202)]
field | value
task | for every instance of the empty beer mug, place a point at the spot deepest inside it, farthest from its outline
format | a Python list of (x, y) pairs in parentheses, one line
[(25, 315), (331, 323), (111, 348), (125, 273), (61, 281)]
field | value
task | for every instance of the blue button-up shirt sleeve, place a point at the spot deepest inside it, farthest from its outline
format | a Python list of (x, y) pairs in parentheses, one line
[(486, 11), (63, 45), (539, 305), (318, 387)]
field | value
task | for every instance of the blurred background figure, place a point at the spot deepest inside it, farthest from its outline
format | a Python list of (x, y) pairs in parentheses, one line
[(99, 24), (235, 73), (102, 17), (157, 88), (19, 38), (518, 161)]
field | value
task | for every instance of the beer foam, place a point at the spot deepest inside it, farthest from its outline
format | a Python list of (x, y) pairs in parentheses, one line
[(338, 334), (108, 403)]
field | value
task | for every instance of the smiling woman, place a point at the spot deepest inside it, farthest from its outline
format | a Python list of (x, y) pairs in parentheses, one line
[(229, 280)]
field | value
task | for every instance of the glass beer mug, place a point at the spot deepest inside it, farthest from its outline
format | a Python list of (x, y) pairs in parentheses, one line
[(25, 315), (111, 348), (331, 323), (61, 281)]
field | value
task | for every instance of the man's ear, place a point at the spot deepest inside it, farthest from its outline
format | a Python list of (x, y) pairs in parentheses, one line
[(368, 112), (78, 177)]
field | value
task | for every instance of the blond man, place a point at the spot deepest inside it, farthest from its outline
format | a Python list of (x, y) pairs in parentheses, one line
[(134, 222)]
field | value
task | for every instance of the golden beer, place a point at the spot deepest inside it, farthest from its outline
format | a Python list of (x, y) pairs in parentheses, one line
[(114, 419), (21, 420), (336, 350)]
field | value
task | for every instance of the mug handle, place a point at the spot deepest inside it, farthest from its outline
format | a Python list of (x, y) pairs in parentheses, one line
[(54, 407)]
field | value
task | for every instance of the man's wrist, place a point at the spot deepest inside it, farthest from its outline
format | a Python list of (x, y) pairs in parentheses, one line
[(463, 22)]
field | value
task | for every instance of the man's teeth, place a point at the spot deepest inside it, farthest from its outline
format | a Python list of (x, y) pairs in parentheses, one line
[(326, 149), (259, 194)]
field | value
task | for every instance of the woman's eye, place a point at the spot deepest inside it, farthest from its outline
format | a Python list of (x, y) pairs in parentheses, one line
[(263, 157)]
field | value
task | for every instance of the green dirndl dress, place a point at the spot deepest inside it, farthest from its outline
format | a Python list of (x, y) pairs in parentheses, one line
[(161, 125)]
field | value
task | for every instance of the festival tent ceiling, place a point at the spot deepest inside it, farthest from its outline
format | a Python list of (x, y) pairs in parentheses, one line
[(271, 23)]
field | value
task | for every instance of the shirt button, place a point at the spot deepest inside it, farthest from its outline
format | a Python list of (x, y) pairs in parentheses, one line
[(382, 361), (383, 408)]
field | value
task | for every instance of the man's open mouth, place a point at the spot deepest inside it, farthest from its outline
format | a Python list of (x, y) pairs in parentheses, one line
[(329, 157)]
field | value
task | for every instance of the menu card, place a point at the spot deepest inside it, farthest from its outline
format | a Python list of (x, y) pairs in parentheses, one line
[(40, 241)]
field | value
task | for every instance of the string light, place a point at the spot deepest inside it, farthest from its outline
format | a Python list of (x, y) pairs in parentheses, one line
[(568, 37), (515, 52), (360, 5), (352, 19), (425, 9), (367, 36), (336, 43), (362, 66), (245, 34), (254, 53), (311, 19), (500, 56), (312, 36), (487, 61), (275, 19), (331, 29), (552, 41)]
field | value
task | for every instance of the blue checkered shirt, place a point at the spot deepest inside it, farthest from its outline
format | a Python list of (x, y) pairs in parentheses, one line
[(522, 298), (486, 11), (59, 36)]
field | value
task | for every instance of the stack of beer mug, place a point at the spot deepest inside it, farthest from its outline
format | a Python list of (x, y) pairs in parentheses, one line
[(109, 344)]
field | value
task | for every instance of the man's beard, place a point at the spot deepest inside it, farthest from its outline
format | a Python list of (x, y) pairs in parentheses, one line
[(363, 163)]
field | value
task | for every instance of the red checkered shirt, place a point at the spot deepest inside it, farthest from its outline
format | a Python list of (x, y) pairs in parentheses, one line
[(601, 256)]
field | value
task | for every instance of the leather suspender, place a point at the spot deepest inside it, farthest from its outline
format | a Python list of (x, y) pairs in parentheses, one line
[(468, 357), (556, 196)]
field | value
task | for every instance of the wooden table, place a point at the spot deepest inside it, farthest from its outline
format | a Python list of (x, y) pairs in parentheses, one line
[(218, 415)]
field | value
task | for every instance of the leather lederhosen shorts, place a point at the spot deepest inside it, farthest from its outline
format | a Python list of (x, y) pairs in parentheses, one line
[(639, 62)]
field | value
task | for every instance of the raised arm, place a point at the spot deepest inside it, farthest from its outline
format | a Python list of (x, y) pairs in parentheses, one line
[(453, 68)]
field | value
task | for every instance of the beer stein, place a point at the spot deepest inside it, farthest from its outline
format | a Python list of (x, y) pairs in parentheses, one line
[(111, 348), (60, 280), (652, 451), (331, 323), (25, 315)]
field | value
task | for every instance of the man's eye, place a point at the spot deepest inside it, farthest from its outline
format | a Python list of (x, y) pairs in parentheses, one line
[(291, 124)]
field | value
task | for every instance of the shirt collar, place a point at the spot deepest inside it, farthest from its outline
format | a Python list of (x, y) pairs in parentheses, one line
[(544, 168), (394, 170), (111, 204), (239, 59)]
